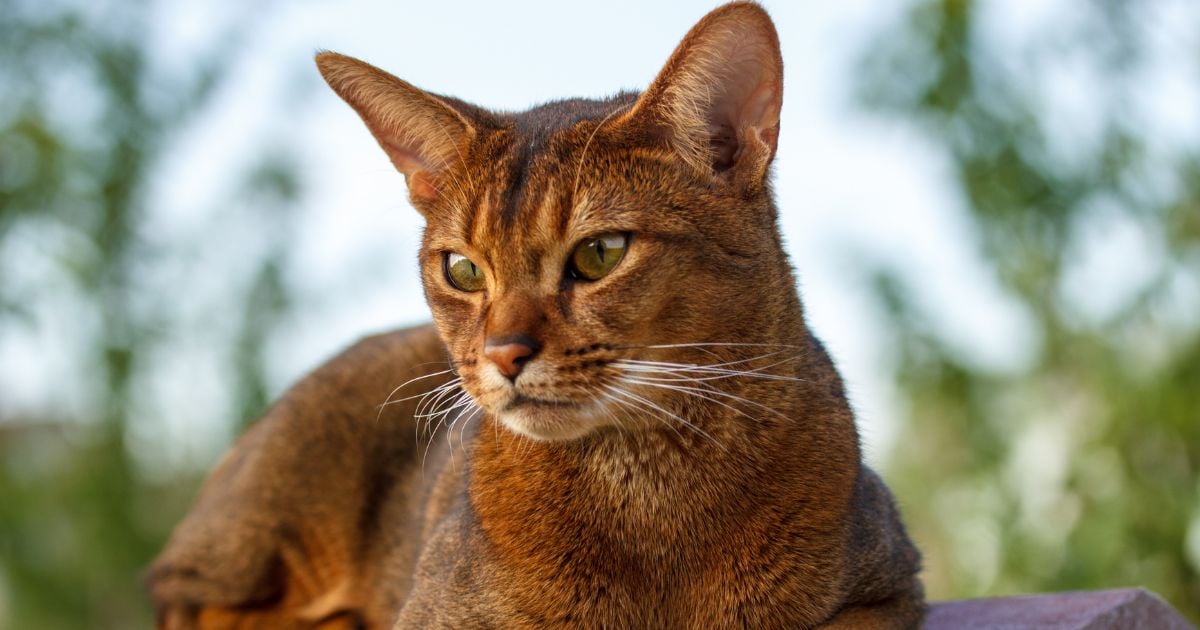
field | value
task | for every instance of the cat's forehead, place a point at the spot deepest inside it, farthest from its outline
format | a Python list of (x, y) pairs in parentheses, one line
[(525, 184), (549, 118)]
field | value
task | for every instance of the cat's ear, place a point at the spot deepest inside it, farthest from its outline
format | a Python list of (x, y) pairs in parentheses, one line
[(717, 100), (421, 133)]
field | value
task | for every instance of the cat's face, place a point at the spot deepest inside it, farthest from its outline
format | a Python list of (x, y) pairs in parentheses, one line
[(585, 262), (574, 251)]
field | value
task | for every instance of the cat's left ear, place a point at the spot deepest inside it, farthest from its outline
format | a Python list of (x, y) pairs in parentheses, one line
[(718, 98), (422, 134)]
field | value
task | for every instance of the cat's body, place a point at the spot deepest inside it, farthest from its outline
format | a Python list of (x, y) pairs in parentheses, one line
[(650, 436)]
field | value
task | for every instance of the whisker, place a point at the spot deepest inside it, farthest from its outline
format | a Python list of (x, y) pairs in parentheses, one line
[(654, 405), (422, 414), (715, 365), (624, 404), (424, 417), (432, 396), (459, 404), (442, 415), (451, 384), (612, 412), (722, 344), (682, 370), (700, 393), (454, 402), (687, 373), (388, 401), (466, 418)]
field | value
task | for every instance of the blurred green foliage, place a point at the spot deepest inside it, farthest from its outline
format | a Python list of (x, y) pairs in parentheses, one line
[(1078, 468), (88, 115)]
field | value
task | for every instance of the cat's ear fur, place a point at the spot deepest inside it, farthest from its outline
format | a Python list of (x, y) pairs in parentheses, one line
[(717, 99), (421, 133)]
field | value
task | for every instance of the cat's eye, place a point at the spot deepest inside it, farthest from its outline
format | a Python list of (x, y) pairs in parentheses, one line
[(595, 257), (462, 273)]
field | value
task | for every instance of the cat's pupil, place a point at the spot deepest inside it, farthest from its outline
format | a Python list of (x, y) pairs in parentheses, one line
[(600, 250)]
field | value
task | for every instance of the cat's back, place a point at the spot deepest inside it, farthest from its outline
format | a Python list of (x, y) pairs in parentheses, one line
[(312, 506)]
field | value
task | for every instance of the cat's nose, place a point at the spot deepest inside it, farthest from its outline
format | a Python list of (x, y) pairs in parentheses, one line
[(510, 353)]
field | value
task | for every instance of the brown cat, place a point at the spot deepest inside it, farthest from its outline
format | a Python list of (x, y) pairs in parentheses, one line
[(632, 426)]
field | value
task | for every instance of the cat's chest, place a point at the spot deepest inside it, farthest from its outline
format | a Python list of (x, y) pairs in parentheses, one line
[(589, 581)]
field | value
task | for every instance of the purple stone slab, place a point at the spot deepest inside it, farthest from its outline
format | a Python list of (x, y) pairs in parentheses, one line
[(1126, 609)]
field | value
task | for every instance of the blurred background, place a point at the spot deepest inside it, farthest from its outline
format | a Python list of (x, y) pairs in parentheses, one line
[(993, 207)]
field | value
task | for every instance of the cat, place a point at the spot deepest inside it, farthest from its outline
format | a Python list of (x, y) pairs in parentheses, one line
[(625, 423)]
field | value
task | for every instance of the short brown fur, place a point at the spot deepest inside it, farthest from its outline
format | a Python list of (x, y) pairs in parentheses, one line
[(592, 490)]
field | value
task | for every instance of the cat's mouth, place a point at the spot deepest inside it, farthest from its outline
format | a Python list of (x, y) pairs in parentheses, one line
[(520, 401), (548, 419), (539, 406)]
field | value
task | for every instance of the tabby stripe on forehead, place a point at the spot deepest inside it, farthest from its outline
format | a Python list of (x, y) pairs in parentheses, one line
[(516, 183), (577, 200)]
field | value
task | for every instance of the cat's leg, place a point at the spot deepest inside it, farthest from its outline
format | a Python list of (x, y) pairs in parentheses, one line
[(900, 613), (882, 563), (307, 520)]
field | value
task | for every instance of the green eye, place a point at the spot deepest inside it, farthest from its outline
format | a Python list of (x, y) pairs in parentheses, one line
[(462, 273), (595, 257)]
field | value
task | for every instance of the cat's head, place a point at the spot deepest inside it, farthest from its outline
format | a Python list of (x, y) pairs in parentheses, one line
[(572, 251)]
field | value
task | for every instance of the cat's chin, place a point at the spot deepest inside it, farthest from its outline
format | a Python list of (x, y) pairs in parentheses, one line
[(549, 423)]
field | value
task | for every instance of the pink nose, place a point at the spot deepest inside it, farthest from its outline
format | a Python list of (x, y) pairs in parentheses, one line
[(510, 353)]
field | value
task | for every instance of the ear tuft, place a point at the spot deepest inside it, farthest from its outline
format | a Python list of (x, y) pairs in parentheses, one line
[(719, 96), (421, 133)]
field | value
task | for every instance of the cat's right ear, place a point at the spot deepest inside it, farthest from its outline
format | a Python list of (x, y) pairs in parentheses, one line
[(717, 100), (421, 134)]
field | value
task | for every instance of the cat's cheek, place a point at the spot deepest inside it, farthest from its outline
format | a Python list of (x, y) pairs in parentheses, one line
[(606, 309), (651, 310), (458, 323)]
